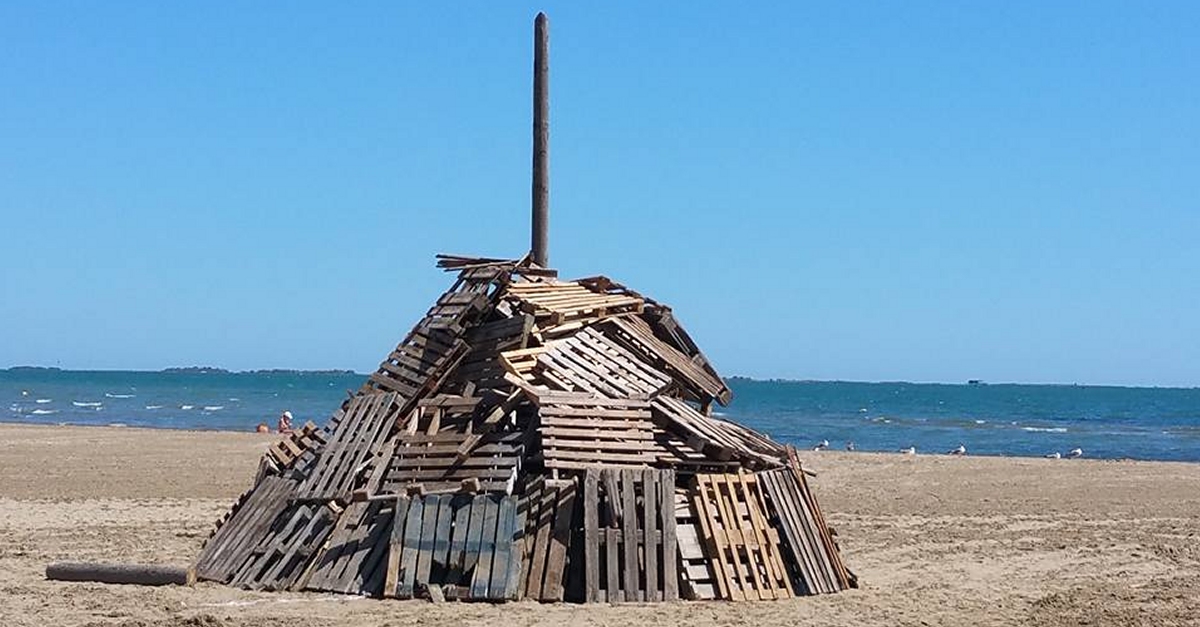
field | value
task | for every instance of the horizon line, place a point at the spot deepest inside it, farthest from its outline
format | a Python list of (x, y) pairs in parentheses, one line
[(350, 371)]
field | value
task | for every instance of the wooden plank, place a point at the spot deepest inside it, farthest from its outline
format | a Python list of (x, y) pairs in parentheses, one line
[(541, 543), (412, 547), (612, 561), (531, 503), (560, 542), (487, 548), (429, 525), (653, 544), (474, 538), (633, 591), (666, 510), (395, 548), (458, 538), (501, 563), (517, 559), (440, 566), (591, 534)]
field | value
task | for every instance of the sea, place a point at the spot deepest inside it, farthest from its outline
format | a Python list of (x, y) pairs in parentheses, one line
[(987, 419)]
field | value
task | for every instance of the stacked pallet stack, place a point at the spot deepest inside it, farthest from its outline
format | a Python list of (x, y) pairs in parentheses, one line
[(533, 438)]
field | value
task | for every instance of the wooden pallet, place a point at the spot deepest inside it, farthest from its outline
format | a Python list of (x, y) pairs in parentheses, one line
[(355, 442), (697, 577), (735, 529), (579, 430), (717, 439), (352, 560), (481, 367), (435, 345), (665, 326), (228, 549), (630, 549), (549, 507), (587, 361), (284, 452), (434, 461), (279, 559), (463, 542), (635, 334), (560, 301), (675, 452), (813, 555)]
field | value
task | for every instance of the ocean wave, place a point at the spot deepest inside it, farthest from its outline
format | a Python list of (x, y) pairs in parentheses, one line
[(111, 395), (213, 407), (233, 399), (86, 403), (154, 406), (117, 424), (43, 401), (1045, 429), (43, 412), (981, 422), (187, 407)]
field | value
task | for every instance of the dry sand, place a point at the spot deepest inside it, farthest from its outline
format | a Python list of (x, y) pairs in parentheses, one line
[(935, 540)]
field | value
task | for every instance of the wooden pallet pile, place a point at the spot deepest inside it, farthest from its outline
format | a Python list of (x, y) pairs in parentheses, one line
[(532, 438)]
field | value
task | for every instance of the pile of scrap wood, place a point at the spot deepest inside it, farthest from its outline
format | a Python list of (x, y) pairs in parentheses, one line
[(533, 438)]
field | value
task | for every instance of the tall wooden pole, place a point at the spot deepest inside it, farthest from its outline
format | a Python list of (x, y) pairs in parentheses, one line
[(541, 140)]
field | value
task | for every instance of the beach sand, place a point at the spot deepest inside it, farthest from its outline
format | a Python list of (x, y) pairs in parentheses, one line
[(935, 540)]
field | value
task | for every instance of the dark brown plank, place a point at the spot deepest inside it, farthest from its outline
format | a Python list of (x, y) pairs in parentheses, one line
[(633, 591), (591, 534)]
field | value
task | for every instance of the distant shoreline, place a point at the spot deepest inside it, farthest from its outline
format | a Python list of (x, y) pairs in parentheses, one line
[(203, 370), (215, 370)]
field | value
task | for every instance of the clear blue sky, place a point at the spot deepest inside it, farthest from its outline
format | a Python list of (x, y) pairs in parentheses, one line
[(887, 191)]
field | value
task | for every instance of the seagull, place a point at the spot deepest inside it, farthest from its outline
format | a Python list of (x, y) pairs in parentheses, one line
[(1054, 455), (850, 446), (961, 450), (912, 450), (1075, 453), (824, 444)]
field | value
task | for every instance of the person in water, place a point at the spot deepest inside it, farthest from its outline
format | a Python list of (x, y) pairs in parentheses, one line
[(285, 422)]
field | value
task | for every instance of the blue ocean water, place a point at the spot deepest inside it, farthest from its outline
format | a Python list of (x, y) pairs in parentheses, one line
[(1030, 420)]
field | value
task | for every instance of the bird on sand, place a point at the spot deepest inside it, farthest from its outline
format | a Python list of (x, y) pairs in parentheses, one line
[(1075, 453), (850, 445), (961, 450), (822, 445), (912, 450), (1054, 455)]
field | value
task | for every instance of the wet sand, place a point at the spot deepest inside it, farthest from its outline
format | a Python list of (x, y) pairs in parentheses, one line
[(935, 540)]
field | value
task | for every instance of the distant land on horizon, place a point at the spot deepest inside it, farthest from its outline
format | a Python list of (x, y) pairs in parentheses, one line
[(193, 370), (734, 378)]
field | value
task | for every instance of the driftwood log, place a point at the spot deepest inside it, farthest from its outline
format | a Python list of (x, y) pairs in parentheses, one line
[(140, 574)]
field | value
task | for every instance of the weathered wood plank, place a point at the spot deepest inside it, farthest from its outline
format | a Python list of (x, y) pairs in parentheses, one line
[(633, 591), (652, 547), (395, 547), (412, 548), (591, 534), (560, 542)]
